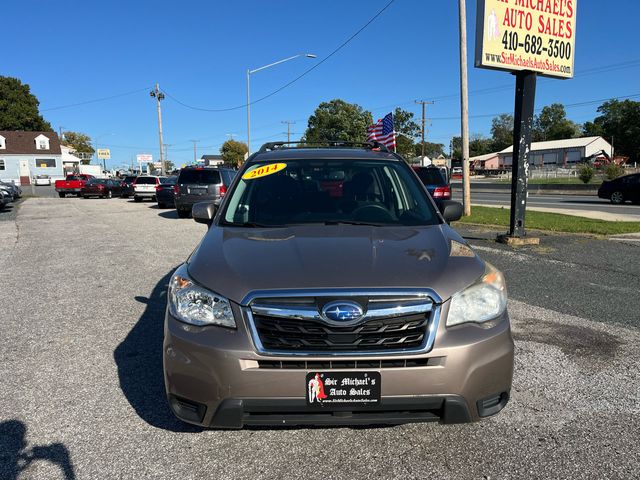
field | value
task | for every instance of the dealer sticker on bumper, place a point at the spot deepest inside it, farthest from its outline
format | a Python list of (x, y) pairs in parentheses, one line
[(342, 388)]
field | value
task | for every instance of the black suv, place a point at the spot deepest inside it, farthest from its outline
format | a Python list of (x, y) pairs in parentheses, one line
[(198, 184)]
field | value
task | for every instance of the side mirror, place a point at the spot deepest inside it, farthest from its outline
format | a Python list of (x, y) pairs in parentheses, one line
[(451, 211), (203, 212)]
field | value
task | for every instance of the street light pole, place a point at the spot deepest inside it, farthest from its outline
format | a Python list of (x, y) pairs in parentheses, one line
[(249, 72), (248, 112), (158, 95)]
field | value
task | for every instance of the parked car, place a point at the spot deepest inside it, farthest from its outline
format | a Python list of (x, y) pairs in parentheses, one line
[(14, 190), (144, 186), (102, 188), (127, 186), (621, 189), (42, 179), (432, 178), (72, 184), (300, 306), (165, 194), (197, 184), (5, 199), (7, 192)]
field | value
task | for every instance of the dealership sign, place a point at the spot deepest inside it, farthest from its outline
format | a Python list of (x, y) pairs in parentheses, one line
[(533, 35), (104, 154), (144, 158)]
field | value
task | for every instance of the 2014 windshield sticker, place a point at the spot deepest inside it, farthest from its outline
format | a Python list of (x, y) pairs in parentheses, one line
[(263, 171)]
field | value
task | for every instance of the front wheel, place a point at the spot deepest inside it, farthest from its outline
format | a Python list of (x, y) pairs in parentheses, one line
[(182, 213), (617, 198), (137, 199), (62, 195)]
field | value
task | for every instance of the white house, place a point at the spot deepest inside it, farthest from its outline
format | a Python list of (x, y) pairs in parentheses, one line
[(23, 155), (561, 153)]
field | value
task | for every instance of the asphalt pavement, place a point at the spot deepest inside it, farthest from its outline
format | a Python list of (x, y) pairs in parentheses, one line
[(82, 297)]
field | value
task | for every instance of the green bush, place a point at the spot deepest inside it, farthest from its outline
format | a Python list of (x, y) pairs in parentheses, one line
[(613, 171), (585, 173)]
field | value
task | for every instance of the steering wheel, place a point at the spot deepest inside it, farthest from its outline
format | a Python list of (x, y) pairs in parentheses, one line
[(372, 213)]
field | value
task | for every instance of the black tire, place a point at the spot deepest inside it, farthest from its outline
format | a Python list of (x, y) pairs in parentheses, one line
[(137, 199), (162, 205), (109, 194), (182, 213), (62, 195), (617, 197)]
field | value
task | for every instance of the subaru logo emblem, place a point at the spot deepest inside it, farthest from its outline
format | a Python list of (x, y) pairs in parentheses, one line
[(342, 312)]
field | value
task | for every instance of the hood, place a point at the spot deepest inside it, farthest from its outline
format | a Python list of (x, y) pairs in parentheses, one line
[(236, 261)]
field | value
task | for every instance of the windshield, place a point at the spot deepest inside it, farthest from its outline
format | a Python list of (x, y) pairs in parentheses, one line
[(146, 181), (168, 180), (94, 181), (206, 176), (329, 192), (430, 176)]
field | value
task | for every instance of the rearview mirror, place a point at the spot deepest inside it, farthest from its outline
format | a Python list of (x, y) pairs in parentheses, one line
[(203, 212), (451, 211)]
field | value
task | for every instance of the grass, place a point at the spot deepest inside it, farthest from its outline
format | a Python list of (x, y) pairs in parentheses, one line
[(553, 222)]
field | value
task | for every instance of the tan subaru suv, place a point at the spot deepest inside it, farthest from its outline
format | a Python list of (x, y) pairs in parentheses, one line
[(330, 290)]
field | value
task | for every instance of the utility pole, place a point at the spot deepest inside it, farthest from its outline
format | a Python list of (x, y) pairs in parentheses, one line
[(60, 133), (424, 113), (194, 150), (158, 95), (464, 109), (289, 123), (166, 155)]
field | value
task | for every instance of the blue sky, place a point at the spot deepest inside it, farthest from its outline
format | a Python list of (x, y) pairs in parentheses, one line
[(75, 51)]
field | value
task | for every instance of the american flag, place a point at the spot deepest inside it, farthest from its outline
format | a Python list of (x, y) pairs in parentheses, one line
[(382, 131)]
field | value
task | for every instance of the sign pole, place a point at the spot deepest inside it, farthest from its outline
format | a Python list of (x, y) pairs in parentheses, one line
[(523, 125)]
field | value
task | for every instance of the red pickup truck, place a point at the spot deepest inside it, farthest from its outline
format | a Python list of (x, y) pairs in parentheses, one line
[(72, 184)]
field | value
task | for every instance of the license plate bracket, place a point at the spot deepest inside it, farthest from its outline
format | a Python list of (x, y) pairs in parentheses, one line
[(342, 389)]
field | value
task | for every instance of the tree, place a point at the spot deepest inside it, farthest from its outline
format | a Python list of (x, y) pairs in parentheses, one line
[(79, 142), (431, 150), (19, 107), (553, 124), (233, 152), (619, 122), (407, 130), (502, 132), (338, 120), (478, 145)]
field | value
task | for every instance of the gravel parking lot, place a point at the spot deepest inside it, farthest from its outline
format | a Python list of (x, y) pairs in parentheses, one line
[(82, 297)]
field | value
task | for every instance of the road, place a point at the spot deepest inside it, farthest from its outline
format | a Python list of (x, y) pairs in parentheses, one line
[(568, 202), (82, 300)]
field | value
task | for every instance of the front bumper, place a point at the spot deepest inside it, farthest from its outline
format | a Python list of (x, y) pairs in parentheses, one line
[(213, 378)]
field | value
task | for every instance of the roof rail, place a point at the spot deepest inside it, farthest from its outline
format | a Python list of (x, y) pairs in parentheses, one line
[(328, 144)]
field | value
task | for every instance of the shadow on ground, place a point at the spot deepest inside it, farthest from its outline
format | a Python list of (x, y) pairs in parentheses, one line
[(173, 214), (139, 362), (16, 456)]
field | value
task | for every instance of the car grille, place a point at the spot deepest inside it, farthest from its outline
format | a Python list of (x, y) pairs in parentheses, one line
[(390, 325)]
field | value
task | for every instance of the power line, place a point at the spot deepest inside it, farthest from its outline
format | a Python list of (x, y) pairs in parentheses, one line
[(569, 105), (102, 99), (303, 74)]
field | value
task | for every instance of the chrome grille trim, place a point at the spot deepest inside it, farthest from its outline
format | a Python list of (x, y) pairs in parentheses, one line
[(428, 300), (311, 313)]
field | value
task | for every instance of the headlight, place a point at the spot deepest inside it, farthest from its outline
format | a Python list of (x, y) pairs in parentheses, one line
[(191, 303), (481, 302)]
